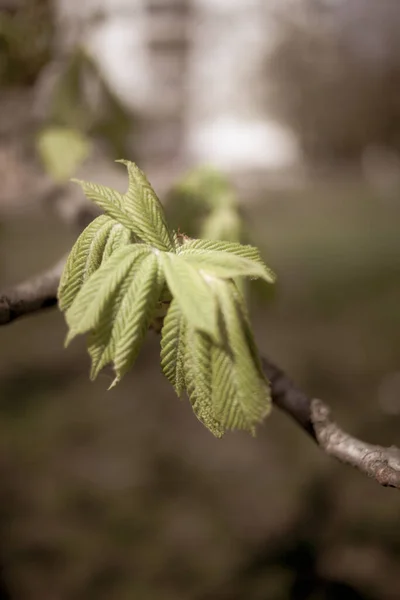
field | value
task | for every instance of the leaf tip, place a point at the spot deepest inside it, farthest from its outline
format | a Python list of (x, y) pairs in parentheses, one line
[(114, 383), (93, 374), (70, 336), (253, 432)]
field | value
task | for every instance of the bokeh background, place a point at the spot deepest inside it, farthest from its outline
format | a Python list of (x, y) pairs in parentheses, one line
[(124, 495)]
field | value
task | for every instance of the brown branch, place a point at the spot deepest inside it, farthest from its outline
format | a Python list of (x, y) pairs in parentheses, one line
[(378, 462), (31, 296), (40, 292), (313, 416)]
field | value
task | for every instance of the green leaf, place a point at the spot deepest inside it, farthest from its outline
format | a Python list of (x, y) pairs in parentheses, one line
[(94, 296), (146, 211), (245, 251), (196, 359), (173, 347), (194, 296), (223, 223), (98, 344), (224, 389), (101, 344), (207, 185), (119, 236), (227, 266), (252, 398), (247, 328), (136, 313), (85, 257), (139, 209), (109, 200), (62, 150), (201, 362)]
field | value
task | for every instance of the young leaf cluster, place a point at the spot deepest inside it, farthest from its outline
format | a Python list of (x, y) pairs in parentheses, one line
[(205, 205), (128, 268)]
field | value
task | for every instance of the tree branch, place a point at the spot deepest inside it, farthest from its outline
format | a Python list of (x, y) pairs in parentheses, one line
[(33, 295), (313, 416)]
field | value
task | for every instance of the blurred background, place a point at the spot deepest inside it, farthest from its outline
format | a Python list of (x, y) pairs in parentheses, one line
[(296, 105)]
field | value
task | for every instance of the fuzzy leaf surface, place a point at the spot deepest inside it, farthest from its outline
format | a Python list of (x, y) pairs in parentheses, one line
[(102, 341), (252, 398), (93, 298), (224, 388), (119, 236), (200, 349), (146, 211), (245, 251), (85, 257), (136, 313), (109, 200), (99, 340), (227, 266), (201, 403), (193, 294), (173, 347)]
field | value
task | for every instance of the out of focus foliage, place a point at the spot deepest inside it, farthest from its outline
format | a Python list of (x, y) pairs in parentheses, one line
[(83, 100), (26, 30), (204, 204), (336, 76), (82, 107), (62, 150)]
